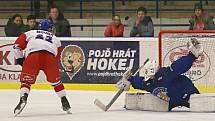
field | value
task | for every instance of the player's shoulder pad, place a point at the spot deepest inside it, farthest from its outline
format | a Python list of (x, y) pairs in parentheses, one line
[(31, 32)]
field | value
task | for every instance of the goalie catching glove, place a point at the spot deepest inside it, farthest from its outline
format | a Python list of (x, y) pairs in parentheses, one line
[(123, 83), (195, 47)]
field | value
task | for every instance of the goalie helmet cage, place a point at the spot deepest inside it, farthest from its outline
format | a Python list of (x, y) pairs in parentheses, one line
[(173, 45)]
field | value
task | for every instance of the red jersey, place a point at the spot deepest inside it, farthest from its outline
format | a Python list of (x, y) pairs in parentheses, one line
[(114, 31), (36, 40)]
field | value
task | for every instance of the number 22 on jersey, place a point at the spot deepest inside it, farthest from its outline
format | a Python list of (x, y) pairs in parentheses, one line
[(42, 37)]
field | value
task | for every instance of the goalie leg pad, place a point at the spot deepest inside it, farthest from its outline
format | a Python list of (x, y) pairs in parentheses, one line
[(145, 102), (202, 102)]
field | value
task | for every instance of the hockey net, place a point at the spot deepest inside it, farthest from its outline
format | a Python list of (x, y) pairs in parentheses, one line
[(172, 45)]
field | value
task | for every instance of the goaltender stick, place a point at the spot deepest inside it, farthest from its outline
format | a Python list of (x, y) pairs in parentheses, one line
[(42, 52), (168, 83)]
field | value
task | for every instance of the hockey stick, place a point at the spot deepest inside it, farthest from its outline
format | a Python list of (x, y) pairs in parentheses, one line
[(106, 107)]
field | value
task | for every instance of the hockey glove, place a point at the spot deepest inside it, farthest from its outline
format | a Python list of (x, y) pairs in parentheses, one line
[(123, 84), (20, 61), (195, 47)]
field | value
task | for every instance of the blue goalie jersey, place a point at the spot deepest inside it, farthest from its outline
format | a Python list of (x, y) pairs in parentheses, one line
[(169, 84)]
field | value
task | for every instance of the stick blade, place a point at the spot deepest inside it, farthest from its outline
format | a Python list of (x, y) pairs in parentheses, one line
[(100, 105)]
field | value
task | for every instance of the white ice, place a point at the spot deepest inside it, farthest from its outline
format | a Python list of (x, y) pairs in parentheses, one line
[(45, 106)]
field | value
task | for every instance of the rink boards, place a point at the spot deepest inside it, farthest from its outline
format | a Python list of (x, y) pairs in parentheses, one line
[(97, 63)]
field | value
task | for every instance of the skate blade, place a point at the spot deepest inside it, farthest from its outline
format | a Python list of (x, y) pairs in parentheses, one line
[(69, 111), (17, 112), (100, 105)]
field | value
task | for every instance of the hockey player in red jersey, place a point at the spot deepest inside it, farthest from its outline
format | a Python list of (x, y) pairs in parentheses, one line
[(38, 50)]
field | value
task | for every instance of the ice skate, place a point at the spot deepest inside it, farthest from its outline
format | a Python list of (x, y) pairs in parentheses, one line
[(65, 105), (21, 105)]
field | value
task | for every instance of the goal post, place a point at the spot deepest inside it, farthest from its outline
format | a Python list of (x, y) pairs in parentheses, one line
[(172, 46)]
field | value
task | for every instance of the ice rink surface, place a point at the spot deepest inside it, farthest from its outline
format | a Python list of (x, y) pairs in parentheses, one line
[(45, 106)]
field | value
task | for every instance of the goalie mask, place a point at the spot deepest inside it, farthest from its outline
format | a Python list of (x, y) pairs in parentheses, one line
[(150, 69)]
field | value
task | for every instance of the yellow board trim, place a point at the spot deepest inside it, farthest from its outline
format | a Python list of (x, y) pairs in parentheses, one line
[(90, 87), (45, 86)]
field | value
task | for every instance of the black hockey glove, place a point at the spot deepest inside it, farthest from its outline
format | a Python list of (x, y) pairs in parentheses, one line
[(20, 61)]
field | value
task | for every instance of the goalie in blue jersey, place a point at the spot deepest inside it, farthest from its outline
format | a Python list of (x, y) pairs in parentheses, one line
[(168, 83)]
